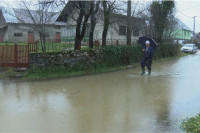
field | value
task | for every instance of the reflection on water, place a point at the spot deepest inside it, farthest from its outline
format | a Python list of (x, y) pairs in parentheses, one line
[(113, 102)]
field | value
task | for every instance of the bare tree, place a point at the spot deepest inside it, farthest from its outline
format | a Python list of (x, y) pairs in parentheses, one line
[(93, 20), (108, 8), (145, 13), (36, 20), (169, 30)]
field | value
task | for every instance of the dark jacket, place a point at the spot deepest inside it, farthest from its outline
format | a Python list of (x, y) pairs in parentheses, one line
[(149, 53)]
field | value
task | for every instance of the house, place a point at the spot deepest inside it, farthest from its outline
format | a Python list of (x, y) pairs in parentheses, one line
[(117, 28), (17, 25), (182, 33), (196, 38)]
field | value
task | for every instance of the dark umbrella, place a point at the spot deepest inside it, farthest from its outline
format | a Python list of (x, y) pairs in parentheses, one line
[(143, 39)]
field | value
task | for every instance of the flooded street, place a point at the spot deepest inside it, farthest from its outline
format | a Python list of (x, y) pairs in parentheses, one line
[(120, 101)]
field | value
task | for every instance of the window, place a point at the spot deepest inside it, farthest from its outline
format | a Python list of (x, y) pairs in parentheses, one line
[(122, 30), (17, 34)]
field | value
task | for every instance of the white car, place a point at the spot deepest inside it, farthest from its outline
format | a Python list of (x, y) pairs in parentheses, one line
[(190, 48)]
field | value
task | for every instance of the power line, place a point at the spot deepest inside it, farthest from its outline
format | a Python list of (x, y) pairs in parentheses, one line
[(183, 13), (190, 8), (197, 22)]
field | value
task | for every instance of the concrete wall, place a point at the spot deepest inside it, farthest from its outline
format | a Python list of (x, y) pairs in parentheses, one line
[(24, 29)]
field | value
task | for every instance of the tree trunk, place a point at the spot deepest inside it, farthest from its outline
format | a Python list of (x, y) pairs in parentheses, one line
[(78, 29), (77, 43), (80, 32), (106, 23), (91, 35), (129, 23), (105, 31), (93, 23)]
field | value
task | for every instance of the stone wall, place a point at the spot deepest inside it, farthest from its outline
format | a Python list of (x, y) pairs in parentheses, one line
[(69, 58)]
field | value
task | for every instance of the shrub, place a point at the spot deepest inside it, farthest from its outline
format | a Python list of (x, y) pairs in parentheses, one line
[(191, 125), (114, 55)]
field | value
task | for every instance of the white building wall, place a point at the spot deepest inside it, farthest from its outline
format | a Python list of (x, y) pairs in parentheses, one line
[(24, 29)]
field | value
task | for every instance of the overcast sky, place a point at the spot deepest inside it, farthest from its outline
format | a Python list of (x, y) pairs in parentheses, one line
[(186, 10)]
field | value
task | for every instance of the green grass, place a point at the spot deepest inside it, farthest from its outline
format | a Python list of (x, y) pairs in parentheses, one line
[(50, 46), (59, 71), (10, 43), (55, 47), (191, 125)]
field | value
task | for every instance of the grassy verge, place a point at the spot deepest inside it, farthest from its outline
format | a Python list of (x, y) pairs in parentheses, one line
[(59, 72), (191, 125)]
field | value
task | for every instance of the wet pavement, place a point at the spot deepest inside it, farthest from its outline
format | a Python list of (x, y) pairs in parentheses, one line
[(122, 101)]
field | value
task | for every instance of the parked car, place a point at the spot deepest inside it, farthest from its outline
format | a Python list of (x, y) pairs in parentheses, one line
[(190, 48)]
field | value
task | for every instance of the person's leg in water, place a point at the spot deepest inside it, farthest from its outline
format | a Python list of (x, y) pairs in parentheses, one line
[(143, 66), (148, 64)]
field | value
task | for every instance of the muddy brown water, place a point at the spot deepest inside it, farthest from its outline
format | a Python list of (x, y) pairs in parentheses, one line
[(118, 102)]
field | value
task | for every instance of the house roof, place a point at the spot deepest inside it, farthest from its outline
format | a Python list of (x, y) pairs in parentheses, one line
[(13, 15), (66, 11), (183, 26)]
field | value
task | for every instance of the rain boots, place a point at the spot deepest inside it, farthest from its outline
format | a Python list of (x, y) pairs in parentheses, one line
[(149, 72), (143, 71)]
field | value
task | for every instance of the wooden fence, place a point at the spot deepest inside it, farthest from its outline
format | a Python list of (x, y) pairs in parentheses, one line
[(16, 55)]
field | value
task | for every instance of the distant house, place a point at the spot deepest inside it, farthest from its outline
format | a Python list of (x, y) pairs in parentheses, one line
[(196, 38), (117, 28), (15, 26), (182, 33)]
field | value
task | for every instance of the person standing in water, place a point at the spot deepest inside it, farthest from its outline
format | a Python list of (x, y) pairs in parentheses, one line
[(147, 58)]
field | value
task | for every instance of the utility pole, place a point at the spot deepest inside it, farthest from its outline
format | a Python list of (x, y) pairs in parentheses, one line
[(194, 27)]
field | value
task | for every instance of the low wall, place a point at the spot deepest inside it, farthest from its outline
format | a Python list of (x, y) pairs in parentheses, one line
[(69, 58), (109, 56)]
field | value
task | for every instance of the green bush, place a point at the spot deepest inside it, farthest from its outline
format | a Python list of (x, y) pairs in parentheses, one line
[(191, 125), (113, 55)]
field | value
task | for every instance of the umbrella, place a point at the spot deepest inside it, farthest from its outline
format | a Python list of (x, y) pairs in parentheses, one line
[(143, 39)]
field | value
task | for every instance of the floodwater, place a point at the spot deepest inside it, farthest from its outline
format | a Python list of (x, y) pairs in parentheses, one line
[(118, 102)]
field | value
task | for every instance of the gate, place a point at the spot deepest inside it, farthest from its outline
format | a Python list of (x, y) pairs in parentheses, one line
[(16, 55)]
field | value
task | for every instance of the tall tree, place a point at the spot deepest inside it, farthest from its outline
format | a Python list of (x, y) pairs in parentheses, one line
[(107, 10), (160, 10), (93, 20), (168, 35), (84, 9), (129, 22)]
